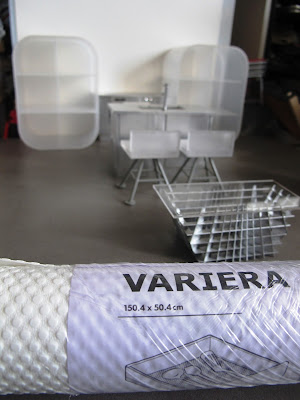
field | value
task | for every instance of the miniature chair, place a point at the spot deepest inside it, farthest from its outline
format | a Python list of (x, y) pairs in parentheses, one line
[(153, 145), (205, 145)]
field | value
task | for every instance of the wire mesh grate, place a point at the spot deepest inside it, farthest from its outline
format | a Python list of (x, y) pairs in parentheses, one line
[(230, 221)]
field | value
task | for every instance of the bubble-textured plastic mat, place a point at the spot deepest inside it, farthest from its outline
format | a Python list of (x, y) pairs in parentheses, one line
[(33, 327)]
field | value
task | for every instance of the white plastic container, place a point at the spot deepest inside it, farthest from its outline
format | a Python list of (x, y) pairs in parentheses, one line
[(56, 92)]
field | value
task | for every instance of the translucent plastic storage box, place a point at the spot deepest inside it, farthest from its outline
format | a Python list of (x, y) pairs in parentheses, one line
[(230, 221), (56, 92), (211, 79)]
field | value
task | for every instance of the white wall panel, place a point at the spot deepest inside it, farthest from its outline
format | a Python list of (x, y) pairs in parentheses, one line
[(129, 36)]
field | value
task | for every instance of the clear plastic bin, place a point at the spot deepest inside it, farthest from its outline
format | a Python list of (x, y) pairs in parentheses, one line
[(56, 92)]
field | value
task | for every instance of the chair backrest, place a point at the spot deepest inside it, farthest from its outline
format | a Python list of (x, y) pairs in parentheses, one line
[(207, 143), (154, 144)]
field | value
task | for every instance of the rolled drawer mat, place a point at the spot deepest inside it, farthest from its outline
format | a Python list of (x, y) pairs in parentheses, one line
[(145, 327)]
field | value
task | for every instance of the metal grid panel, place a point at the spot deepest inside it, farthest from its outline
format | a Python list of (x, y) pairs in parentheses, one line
[(230, 221)]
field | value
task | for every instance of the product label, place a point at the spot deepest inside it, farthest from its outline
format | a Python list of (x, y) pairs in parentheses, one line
[(137, 327)]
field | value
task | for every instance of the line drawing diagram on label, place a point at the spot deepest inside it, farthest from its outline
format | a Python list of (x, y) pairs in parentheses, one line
[(205, 363)]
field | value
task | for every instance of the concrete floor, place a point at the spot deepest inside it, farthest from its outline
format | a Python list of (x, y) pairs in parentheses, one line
[(62, 207)]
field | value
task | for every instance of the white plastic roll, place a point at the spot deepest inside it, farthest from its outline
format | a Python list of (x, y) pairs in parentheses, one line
[(137, 327), (33, 327)]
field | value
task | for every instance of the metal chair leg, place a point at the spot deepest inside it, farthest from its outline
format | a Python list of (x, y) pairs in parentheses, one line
[(213, 165), (207, 171), (194, 166), (131, 201), (122, 184), (180, 170), (162, 171), (157, 172)]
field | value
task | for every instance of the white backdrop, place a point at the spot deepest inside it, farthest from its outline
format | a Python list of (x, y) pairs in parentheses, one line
[(130, 36)]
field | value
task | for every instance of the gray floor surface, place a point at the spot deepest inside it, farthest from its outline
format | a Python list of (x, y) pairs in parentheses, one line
[(62, 207)]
